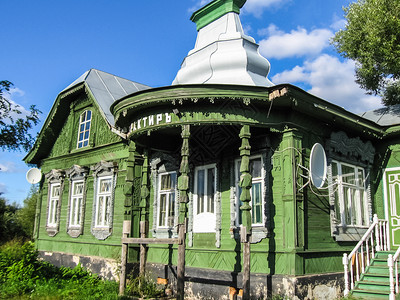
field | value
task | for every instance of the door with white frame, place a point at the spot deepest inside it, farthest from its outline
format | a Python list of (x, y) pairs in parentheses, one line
[(205, 185), (391, 183)]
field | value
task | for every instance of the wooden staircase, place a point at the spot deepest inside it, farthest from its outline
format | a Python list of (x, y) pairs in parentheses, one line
[(374, 282)]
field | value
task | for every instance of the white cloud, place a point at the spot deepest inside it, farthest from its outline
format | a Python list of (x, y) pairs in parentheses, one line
[(199, 4), (297, 43), (7, 167), (3, 188), (257, 7), (332, 80), (254, 7), (11, 95), (338, 24)]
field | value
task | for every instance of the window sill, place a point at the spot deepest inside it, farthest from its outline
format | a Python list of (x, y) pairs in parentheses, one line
[(350, 233), (74, 231), (101, 233), (165, 233), (76, 150)]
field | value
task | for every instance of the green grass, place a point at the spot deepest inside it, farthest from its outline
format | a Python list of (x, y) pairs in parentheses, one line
[(23, 276)]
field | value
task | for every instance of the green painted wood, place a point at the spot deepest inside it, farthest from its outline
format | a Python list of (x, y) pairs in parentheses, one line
[(215, 10), (103, 145)]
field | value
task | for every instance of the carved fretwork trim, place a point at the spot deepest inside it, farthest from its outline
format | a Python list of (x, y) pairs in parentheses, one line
[(258, 232), (352, 148), (355, 152), (101, 169), (104, 168), (162, 163), (76, 173), (54, 177)]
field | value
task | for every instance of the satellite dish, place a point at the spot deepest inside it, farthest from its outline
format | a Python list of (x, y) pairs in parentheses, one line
[(317, 165), (33, 175)]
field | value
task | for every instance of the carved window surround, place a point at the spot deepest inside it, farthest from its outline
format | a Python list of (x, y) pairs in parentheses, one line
[(54, 177), (163, 163), (355, 152), (259, 231), (75, 174), (103, 169)]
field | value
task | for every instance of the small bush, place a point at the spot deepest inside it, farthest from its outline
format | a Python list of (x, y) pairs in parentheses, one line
[(143, 286), (23, 276)]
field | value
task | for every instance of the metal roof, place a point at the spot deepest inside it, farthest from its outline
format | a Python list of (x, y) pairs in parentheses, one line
[(107, 88), (385, 116)]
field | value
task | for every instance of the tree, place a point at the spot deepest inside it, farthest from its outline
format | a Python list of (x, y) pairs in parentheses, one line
[(10, 227), (372, 39), (26, 215), (14, 125)]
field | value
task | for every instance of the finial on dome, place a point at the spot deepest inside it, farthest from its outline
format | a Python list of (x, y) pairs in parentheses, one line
[(223, 53), (215, 10)]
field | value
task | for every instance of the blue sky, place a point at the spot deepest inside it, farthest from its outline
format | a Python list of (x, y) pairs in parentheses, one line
[(47, 44)]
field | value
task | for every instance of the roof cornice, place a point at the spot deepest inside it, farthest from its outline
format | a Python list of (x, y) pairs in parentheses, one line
[(215, 10)]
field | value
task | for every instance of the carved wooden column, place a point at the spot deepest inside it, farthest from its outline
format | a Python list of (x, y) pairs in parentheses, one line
[(245, 183), (144, 194), (183, 186), (128, 192)]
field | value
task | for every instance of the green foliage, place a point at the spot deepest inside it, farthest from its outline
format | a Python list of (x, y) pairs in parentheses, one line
[(26, 215), (10, 227), (144, 287), (23, 276), (14, 124), (372, 39)]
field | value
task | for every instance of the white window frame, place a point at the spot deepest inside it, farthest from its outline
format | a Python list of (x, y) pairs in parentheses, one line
[(167, 193), (105, 209), (254, 181), (76, 203), (204, 221), (54, 202), (84, 129), (356, 194)]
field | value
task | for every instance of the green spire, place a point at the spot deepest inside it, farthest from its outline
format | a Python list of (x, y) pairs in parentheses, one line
[(215, 10)]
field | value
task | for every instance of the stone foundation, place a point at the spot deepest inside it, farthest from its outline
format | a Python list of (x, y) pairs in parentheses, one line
[(212, 284), (106, 268)]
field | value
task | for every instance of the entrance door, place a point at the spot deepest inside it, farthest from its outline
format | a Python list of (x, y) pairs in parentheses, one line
[(391, 182)]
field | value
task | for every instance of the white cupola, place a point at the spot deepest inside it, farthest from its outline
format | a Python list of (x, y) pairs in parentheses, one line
[(223, 54)]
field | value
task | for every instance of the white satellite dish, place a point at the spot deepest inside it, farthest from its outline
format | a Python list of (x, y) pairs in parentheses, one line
[(317, 165), (33, 175)]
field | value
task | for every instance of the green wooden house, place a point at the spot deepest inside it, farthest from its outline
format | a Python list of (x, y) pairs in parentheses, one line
[(224, 154)]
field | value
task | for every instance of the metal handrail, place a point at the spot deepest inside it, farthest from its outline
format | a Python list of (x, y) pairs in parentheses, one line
[(364, 251)]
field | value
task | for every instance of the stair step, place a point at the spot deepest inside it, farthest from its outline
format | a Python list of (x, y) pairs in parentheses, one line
[(379, 262), (373, 286), (384, 254), (374, 277), (377, 270), (367, 294)]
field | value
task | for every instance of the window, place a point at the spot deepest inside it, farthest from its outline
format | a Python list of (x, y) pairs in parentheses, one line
[(55, 179), (351, 207), (257, 191), (76, 211), (52, 220), (103, 202), (166, 200), (84, 129), (204, 199)]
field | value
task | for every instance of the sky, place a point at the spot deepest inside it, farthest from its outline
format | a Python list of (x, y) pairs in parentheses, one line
[(47, 44)]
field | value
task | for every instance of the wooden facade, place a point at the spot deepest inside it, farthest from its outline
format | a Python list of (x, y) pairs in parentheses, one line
[(224, 165)]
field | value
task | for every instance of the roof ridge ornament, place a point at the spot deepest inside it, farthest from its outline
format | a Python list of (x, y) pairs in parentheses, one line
[(223, 53)]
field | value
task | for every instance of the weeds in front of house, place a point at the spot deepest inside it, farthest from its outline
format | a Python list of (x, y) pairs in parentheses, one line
[(144, 287), (23, 276)]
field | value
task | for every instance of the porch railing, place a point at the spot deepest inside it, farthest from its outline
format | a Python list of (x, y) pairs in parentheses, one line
[(393, 262), (375, 239)]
